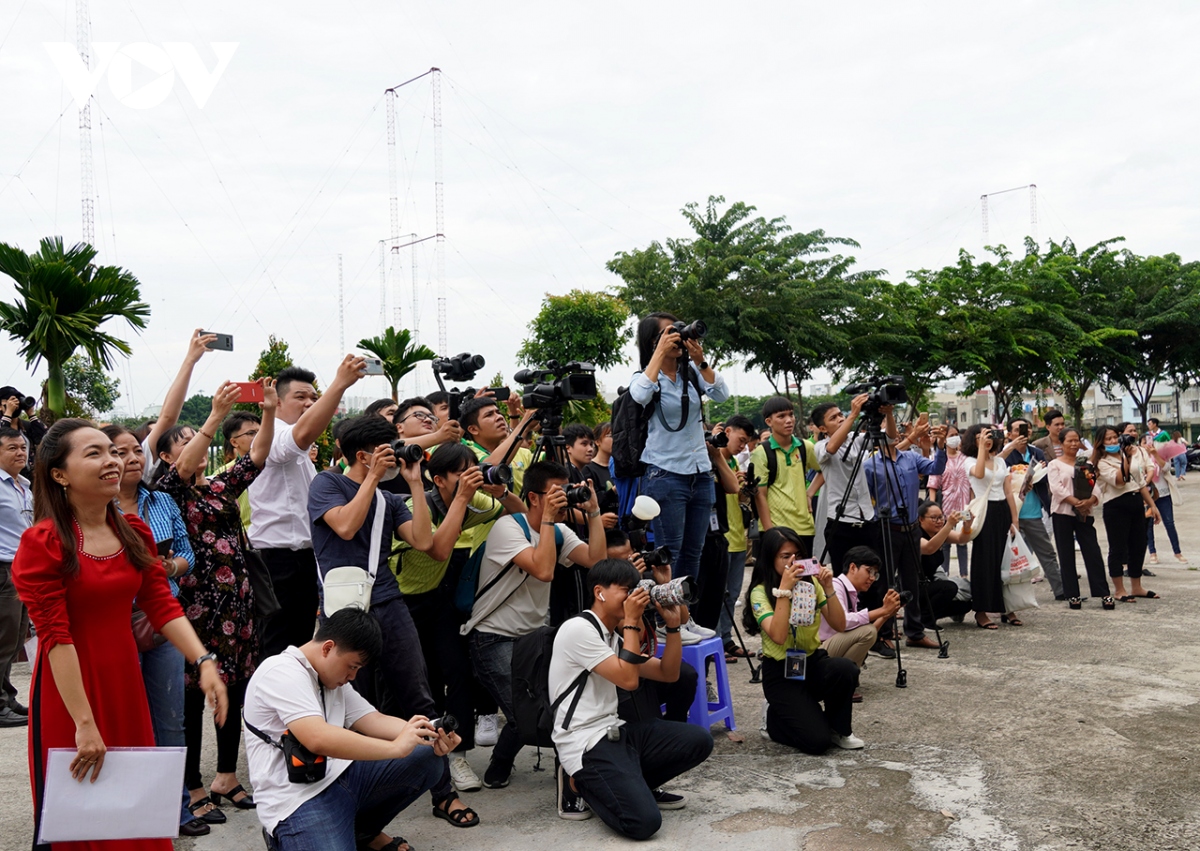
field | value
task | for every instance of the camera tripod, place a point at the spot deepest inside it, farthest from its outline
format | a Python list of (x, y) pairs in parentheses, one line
[(892, 576), (550, 444)]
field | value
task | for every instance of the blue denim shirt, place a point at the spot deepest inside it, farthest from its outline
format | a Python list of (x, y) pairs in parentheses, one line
[(905, 473), (683, 451), (162, 515)]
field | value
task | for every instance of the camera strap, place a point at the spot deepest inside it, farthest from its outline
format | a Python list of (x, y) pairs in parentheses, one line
[(685, 401), (279, 745)]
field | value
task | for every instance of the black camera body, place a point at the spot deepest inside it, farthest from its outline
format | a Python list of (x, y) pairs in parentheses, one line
[(409, 453), (496, 474), (577, 494), (718, 441), (691, 331), (460, 367), (884, 390), (997, 439), (447, 723), (1128, 440), (555, 384), (750, 486), (657, 557)]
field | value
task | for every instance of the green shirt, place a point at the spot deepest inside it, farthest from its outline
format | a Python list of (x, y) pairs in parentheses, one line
[(800, 638), (736, 536), (521, 459), (418, 573), (787, 499)]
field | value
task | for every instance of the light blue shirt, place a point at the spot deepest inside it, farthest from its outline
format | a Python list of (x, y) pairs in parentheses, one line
[(684, 451), (16, 513), (162, 515), (1031, 508), (893, 482)]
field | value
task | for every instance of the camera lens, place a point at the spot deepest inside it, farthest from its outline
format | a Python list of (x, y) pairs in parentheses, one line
[(577, 494), (720, 440), (409, 453), (497, 474), (656, 557), (447, 723)]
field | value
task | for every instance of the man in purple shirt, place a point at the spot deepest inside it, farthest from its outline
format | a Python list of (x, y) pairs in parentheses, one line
[(861, 569)]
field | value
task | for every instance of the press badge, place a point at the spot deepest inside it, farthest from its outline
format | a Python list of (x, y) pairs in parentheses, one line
[(794, 664)]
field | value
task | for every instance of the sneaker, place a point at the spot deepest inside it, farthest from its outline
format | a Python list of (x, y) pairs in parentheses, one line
[(713, 697), (669, 801), (850, 743), (685, 637), (882, 650), (695, 629), (571, 805), (763, 729), (463, 776), (1179, 557), (1153, 560), (487, 730), (497, 776)]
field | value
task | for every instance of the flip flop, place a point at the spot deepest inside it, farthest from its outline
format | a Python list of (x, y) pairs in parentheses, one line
[(988, 625), (1149, 595), (1128, 598)]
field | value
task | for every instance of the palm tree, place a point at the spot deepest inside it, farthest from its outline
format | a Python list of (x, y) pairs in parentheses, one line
[(62, 300), (398, 354)]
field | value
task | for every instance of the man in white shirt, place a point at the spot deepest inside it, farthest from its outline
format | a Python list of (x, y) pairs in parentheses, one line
[(279, 523), (617, 768), (375, 764), (513, 596)]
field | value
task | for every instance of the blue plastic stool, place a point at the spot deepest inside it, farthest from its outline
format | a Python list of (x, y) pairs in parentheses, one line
[(702, 713)]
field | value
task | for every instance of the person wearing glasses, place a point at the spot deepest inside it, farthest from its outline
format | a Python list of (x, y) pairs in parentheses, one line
[(16, 515), (860, 570), (939, 595), (239, 430)]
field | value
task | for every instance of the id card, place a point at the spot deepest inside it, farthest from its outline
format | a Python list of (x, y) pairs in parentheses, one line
[(795, 664)]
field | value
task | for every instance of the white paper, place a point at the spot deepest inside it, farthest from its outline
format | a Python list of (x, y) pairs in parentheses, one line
[(31, 649), (137, 796)]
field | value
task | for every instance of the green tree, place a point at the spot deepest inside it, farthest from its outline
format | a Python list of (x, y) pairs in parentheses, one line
[(90, 390), (196, 409), (398, 354), (272, 360), (579, 326), (62, 300)]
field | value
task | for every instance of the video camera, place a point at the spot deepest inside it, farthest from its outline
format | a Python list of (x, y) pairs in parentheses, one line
[(460, 367), (555, 384), (883, 390)]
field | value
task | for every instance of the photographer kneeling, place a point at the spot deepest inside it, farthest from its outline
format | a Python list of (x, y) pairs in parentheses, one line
[(356, 769), (784, 606), (860, 570), (616, 766)]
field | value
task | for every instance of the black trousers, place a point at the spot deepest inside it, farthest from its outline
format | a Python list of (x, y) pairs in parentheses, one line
[(294, 574), (447, 659), (794, 715), (654, 700), (1125, 525), (617, 778), (1069, 528), (229, 737), (14, 623), (712, 579), (841, 537), (906, 562), (937, 601), (987, 551)]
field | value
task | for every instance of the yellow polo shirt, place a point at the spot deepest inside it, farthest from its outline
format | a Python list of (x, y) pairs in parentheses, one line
[(788, 497)]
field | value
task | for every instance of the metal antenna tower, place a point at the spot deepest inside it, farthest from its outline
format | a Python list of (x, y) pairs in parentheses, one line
[(341, 309), (1033, 222), (382, 288), (983, 205), (439, 247), (394, 204), (87, 183), (416, 332)]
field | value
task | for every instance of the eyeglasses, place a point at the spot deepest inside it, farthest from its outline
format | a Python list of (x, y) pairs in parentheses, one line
[(936, 518), (421, 415), (873, 572), (245, 434)]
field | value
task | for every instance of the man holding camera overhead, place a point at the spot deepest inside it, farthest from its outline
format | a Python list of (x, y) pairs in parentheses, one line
[(513, 595)]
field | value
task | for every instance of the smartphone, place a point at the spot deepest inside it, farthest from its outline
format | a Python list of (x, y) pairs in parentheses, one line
[(924, 418), (374, 366), (251, 391), (1023, 429), (224, 342), (500, 394), (809, 566), (164, 546)]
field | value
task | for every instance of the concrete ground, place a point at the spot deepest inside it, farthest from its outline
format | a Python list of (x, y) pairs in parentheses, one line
[(1078, 730)]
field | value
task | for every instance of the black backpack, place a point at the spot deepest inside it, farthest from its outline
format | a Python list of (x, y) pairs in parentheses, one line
[(532, 706), (631, 423), (773, 462)]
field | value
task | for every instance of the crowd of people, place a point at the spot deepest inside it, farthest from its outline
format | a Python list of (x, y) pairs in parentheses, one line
[(158, 583)]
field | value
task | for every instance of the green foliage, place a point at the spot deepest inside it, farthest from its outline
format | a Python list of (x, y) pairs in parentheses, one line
[(272, 360), (62, 300), (398, 354), (90, 390), (196, 409), (579, 326)]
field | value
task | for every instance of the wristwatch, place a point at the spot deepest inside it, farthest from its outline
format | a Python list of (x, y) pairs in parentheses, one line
[(703, 365), (205, 658)]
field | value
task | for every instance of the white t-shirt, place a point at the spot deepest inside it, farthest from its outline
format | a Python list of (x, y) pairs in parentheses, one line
[(284, 688), (579, 647), (279, 496), (518, 603)]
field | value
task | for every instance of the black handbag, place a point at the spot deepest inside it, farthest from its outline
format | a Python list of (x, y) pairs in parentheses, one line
[(266, 604)]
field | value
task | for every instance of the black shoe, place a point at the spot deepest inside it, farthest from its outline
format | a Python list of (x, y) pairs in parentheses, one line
[(195, 827), (497, 775), (19, 708), (9, 718), (1146, 572), (882, 650), (1060, 597), (669, 800), (213, 816)]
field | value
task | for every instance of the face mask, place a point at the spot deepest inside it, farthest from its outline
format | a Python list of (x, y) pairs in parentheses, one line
[(1112, 450), (953, 442), (391, 474)]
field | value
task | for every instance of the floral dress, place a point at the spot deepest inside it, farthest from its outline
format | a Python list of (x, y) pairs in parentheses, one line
[(216, 595)]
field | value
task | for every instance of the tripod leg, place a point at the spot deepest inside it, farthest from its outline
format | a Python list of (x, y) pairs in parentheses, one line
[(755, 677)]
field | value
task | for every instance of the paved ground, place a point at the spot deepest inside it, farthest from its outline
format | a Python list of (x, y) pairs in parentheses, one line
[(1077, 731)]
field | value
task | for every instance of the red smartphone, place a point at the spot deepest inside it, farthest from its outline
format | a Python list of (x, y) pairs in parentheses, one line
[(251, 391)]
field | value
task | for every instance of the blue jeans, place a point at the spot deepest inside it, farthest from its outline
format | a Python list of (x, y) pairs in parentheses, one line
[(686, 502), (162, 672), (1179, 463), (1166, 507), (491, 659), (359, 804), (733, 585)]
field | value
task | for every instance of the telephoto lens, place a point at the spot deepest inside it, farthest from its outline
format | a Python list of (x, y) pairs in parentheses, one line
[(497, 474), (656, 557), (447, 723), (409, 453), (680, 591), (577, 494)]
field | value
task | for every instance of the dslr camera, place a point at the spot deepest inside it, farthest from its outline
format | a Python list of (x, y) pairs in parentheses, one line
[(1126, 440), (691, 331), (577, 495), (497, 474), (409, 453), (460, 367), (680, 591), (555, 384), (718, 441), (997, 439), (657, 557)]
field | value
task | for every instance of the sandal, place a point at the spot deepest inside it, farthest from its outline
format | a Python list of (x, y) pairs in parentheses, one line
[(1011, 620), (1149, 595), (213, 816), (988, 625), (243, 803), (1127, 598), (1075, 603), (1108, 603), (394, 845), (734, 650), (462, 817)]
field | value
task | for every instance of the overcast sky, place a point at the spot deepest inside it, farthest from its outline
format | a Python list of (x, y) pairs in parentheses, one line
[(573, 132)]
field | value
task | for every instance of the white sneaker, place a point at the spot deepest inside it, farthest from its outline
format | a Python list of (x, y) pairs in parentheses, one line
[(463, 776), (763, 729), (850, 743), (695, 629), (685, 637), (487, 730)]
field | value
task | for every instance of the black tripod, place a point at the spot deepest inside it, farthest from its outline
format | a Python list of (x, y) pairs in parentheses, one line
[(550, 444), (877, 440)]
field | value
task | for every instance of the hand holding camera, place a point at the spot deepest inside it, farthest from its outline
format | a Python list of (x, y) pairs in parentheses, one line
[(891, 602), (468, 483), (11, 405), (555, 509), (635, 604), (383, 460)]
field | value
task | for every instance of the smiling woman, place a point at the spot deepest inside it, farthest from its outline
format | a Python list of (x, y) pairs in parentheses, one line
[(76, 570)]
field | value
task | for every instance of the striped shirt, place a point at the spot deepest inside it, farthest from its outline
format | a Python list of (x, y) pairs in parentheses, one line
[(162, 516)]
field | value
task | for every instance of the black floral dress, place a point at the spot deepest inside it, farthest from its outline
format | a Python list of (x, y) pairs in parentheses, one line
[(216, 595)]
